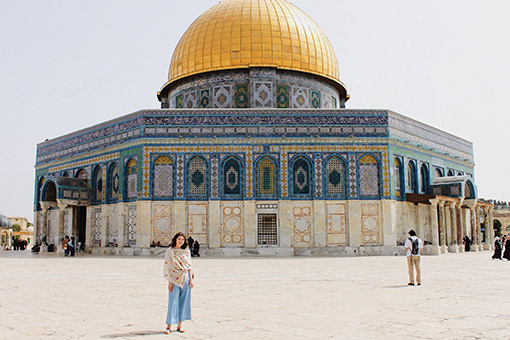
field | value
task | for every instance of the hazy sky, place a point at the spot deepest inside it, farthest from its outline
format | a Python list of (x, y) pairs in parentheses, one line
[(66, 65)]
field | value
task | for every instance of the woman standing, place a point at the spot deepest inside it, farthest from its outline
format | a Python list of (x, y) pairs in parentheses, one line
[(506, 254), (497, 248), (177, 272)]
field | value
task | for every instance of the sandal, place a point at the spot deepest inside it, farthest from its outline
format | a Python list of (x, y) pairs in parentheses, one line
[(180, 330), (167, 330)]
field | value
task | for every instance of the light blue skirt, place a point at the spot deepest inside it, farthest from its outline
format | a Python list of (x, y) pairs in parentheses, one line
[(179, 304)]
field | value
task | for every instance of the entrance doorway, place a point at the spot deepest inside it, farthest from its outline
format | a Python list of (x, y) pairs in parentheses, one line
[(80, 225)]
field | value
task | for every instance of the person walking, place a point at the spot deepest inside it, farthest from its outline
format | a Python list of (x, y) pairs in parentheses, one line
[(196, 249), (497, 248), (413, 246), (177, 271)]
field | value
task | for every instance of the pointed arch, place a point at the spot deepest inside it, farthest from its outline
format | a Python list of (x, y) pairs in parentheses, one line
[(469, 190), (113, 183), (301, 178), (398, 173), (425, 178), (411, 177), (163, 177), (335, 176), (267, 177), (49, 191), (81, 174), (232, 175), (369, 178), (131, 176), (197, 178), (97, 184)]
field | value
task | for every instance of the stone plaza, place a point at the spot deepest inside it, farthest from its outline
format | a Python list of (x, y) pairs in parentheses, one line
[(463, 296)]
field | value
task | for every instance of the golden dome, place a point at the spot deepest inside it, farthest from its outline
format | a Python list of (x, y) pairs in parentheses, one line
[(254, 33)]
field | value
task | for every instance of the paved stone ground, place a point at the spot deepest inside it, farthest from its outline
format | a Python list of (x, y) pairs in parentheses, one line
[(463, 296)]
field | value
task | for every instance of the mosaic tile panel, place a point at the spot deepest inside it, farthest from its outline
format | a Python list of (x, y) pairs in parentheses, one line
[(215, 185), (205, 98), (113, 223), (369, 183), (336, 223), (98, 184), (223, 97), (232, 225), (131, 180), (180, 176), (179, 102), (300, 98), (249, 172), (68, 226), (370, 224), (301, 177), (267, 177), (263, 94), (334, 103), (282, 96), (96, 229), (315, 99), (242, 96), (190, 99), (162, 224), (327, 101), (335, 177), (197, 178), (284, 168), (353, 187), (318, 174), (232, 177), (131, 229), (163, 178), (302, 225), (198, 221)]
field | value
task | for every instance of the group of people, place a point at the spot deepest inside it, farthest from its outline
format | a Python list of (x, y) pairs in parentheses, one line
[(19, 244), (499, 243), (194, 247), (68, 244)]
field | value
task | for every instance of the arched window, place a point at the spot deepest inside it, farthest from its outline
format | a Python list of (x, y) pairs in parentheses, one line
[(163, 177), (49, 192), (335, 177), (232, 177), (397, 169), (82, 174), (451, 173), (469, 191), (197, 178), (267, 182), (65, 174), (438, 172), (131, 179), (369, 179), (301, 178), (113, 183), (411, 177), (425, 178), (97, 184)]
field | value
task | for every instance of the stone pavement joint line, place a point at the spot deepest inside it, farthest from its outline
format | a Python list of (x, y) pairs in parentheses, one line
[(463, 296)]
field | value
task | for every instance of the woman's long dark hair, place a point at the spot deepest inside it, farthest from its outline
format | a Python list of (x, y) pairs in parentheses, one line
[(174, 241)]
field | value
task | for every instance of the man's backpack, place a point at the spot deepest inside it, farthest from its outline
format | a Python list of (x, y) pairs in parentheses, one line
[(415, 246)]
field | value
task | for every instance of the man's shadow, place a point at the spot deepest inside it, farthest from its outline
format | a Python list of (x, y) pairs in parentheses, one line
[(131, 334)]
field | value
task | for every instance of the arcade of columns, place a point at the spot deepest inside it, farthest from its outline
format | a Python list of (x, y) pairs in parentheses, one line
[(450, 218)]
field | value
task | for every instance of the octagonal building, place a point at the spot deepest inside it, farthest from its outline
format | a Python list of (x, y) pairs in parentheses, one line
[(254, 153)]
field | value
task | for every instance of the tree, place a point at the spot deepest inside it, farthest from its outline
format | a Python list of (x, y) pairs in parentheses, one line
[(497, 227), (16, 227)]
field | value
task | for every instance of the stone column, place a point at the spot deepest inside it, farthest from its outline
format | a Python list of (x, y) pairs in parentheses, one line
[(442, 227), (491, 226), (448, 224), (474, 233), (434, 227), (453, 248), (61, 219)]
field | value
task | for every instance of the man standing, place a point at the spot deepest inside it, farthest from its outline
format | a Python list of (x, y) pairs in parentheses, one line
[(413, 246)]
